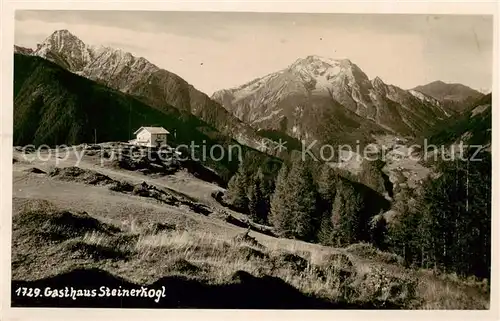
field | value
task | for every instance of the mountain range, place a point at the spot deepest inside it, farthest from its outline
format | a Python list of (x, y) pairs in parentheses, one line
[(54, 106), (314, 98), (318, 98), (137, 76)]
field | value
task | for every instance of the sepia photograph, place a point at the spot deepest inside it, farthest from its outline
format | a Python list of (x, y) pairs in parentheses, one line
[(251, 160)]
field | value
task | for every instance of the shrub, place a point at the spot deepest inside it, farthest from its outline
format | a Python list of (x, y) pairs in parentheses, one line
[(35, 170), (155, 228), (121, 187), (339, 260), (383, 289), (291, 261), (248, 253), (141, 190), (368, 251), (245, 238)]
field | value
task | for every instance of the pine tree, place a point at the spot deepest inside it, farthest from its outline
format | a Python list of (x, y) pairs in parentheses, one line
[(302, 203), (293, 205), (448, 225), (326, 230), (258, 202), (266, 191), (280, 215), (236, 194), (327, 182), (405, 234), (253, 198), (459, 216), (346, 213)]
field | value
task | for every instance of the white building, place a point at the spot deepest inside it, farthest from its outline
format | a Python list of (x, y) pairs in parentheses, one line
[(150, 136)]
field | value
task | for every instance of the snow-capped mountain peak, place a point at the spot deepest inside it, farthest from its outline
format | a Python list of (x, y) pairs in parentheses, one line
[(322, 73), (60, 39), (97, 62), (66, 49), (315, 60), (317, 66)]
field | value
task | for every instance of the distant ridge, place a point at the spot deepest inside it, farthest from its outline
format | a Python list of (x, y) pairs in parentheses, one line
[(456, 97)]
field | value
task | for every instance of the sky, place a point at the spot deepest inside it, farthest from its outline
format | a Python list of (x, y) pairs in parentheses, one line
[(218, 50)]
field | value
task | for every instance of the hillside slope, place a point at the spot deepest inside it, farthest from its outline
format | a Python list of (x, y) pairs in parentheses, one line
[(473, 126), (54, 106), (202, 260)]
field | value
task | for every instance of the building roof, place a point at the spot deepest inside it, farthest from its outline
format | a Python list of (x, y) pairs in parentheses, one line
[(153, 130)]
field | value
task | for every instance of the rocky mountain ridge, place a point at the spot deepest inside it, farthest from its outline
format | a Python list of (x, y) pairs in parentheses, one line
[(137, 76), (315, 87)]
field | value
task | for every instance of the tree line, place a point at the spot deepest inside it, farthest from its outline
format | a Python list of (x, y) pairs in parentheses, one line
[(306, 200), (445, 224)]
